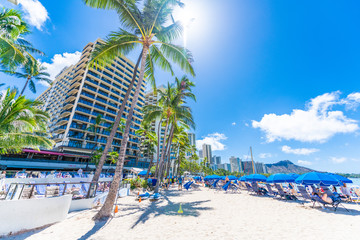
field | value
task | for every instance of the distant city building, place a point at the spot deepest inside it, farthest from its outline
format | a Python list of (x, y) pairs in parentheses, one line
[(260, 167), (247, 167), (216, 159), (235, 163), (214, 167), (201, 155), (192, 141), (206, 148), (225, 166)]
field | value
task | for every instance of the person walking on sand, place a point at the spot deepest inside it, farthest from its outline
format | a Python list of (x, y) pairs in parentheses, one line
[(180, 183)]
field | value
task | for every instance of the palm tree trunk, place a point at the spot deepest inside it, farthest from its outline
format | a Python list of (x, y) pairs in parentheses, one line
[(116, 125), (106, 209), (26, 83), (162, 155), (158, 148), (148, 171)]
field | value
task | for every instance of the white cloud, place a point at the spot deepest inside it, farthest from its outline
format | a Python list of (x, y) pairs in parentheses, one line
[(303, 162), (338, 159), (234, 123), (317, 123), (265, 155), (299, 151), (35, 13), (214, 140), (353, 100), (59, 61), (246, 124)]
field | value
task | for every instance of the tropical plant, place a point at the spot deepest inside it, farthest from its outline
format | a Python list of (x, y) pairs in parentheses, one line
[(31, 70), (22, 124), (14, 49), (148, 143), (171, 108), (145, 27)]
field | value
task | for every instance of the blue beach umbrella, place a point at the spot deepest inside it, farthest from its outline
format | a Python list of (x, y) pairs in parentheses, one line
[(317, 178), (294, 175), (256, 178), (280, 178), (340, 178), (231, 178), (242, 179), (143, 173)]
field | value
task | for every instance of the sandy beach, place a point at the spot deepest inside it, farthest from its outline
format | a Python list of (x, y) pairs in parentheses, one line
[(209, 215)]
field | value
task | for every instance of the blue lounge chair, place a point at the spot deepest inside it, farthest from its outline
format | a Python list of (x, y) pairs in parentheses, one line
[(40, 189), (214, 185), (155, 196), (226, 186), (143, 196), (187, 185)]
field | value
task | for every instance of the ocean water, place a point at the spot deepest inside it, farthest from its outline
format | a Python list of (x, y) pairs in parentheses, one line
[(356, 181)]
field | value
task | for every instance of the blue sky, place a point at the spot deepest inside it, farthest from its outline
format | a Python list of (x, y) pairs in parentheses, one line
[(280, 76)]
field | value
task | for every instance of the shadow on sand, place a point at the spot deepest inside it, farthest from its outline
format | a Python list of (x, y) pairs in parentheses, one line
[(98, 225), (157, 208)]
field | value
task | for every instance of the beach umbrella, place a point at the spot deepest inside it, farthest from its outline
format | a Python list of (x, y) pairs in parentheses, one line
[(317, 178), (294, 175), (231, 178), (256, 178), (280, 178), (340, 178), (143, 173), (242, 179)]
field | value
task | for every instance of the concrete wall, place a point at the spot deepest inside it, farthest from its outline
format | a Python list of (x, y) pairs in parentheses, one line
[(32, 213)]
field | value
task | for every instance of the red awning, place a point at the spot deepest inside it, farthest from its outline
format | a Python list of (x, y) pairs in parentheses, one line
[(53, 153)]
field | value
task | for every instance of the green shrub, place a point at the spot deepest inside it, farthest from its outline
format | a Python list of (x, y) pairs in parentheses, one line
[(137, 183)]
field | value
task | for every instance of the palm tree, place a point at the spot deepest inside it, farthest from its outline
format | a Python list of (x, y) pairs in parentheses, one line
[(22, 124), (148, 142), (145, 28), (32, 70), (170, 108), (14, 49)]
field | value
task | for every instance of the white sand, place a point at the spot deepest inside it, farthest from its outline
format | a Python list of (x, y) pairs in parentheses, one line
[(209, 215)]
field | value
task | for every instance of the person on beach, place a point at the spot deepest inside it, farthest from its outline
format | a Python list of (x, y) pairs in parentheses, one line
[(324, 197), (346, 191), (180, 183)]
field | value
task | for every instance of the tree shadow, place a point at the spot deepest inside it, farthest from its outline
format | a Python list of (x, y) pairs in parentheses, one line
[(170, 208), (98, 225)]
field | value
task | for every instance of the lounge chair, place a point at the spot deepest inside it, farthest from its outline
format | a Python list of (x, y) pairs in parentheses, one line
[(155, 196), (249, 188), (304, 194), (214, 184), (336, 200), (270, 191), (226, 186), (334, 204), (40, 189), (256, 189), (143, 196), (187, 185), (284, 195)]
